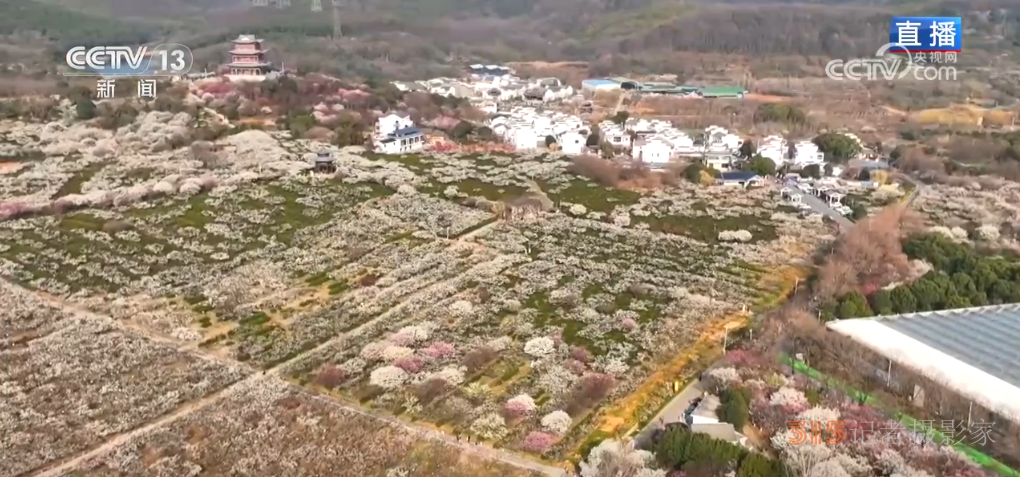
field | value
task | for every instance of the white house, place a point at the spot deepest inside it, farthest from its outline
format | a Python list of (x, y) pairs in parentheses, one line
[(389, 123), (615, 135), (401, 141), (774, 148), (806, 153), (720, 161), (653, 152), (524, 138), (573, 143)]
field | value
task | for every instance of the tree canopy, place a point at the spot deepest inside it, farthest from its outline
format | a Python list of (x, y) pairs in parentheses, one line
[(679, 448), (761, 165), (837, 147), (961, 276)]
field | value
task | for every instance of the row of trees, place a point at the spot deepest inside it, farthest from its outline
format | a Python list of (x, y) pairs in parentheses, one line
[(698, 454), (961, 277)]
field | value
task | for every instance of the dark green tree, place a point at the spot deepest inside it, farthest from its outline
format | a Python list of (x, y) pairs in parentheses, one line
[(748, 149), (462, 130), (837, 147), (549, 141), (693, 173), (903, 300), (620, 117), (853, 305), (881, 302), (762, 165), (734, 408), (814, 171), (593, 139), (85, 109), (758, 465)]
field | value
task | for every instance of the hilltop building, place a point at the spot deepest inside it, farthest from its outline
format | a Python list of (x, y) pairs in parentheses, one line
[(248, 60)]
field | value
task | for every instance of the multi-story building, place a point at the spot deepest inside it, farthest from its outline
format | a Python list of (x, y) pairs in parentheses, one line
[(248, 60), (806, 153)]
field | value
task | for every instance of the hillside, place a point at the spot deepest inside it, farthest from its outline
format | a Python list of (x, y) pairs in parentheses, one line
[(413, 38)]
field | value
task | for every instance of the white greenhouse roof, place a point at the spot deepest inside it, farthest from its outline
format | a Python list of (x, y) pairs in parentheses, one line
[(973, 351)]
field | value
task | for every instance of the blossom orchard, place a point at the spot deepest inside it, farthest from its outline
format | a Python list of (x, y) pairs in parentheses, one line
[(950, 432)]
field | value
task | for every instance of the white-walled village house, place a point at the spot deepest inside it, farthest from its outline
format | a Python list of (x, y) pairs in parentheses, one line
[(389, 123)]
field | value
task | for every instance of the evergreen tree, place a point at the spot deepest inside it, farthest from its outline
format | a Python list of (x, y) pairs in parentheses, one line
[(85, 109), (748, 149), (881, 303), (853, 305)]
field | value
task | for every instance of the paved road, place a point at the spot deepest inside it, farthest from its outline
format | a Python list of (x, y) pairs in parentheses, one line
[(821, 207), (673, 412)]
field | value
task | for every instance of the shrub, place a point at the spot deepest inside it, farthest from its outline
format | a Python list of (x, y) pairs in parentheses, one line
[(114, 226)]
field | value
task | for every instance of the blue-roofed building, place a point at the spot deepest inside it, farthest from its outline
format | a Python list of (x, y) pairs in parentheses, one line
[(403, 140), (599, 84), (740, 178)]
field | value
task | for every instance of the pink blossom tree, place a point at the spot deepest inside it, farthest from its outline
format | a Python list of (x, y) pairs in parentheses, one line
[(580, 354), (538, 442), (412, 365), (439, 350), (518, 407)]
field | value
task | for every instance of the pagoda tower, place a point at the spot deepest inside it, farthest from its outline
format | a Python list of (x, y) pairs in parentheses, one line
[(248, 59)]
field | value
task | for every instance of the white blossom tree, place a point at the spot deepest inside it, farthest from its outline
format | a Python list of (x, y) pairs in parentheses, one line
[(489, 426), (388, 377), (788, 397), (801, 456), (558, 422), (612, 458), (540, 347)]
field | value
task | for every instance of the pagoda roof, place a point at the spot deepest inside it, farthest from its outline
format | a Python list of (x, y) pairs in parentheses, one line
[(261, 64), (247, 52), (247, 39)]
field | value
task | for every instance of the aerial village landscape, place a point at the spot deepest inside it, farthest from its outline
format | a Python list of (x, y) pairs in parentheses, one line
[(489, 275)]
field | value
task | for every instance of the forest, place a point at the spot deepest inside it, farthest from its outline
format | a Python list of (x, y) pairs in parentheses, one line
[(405, 38), (961, 276), (66, 27)]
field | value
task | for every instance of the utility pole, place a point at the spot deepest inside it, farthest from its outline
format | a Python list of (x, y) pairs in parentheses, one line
[(338, 31)]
